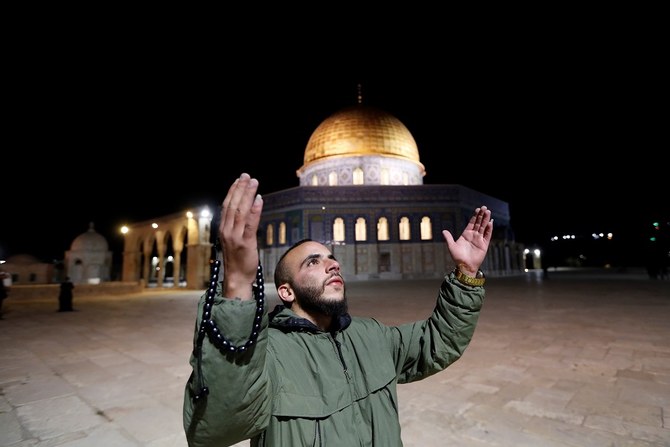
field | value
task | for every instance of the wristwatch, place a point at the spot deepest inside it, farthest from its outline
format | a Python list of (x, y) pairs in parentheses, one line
[(477, 280)]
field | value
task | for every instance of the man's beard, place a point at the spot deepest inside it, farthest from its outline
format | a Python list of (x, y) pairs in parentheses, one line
[(310, 300)]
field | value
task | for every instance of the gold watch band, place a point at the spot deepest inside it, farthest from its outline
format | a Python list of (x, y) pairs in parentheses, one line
[(478, 280)]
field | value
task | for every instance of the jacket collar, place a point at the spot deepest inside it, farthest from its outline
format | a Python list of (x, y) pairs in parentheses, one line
[(286, 320)]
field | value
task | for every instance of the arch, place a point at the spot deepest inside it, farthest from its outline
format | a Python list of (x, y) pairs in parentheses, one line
[(282, 233), (404, 229), (338, 230), (358, 176), (177, 247), (385, 177), (269, 235), (168, 261), (332, 179), (383, 229), (426, 229), (361, 229)]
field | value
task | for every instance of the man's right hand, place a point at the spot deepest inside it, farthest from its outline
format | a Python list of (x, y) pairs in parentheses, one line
[(240, 217)]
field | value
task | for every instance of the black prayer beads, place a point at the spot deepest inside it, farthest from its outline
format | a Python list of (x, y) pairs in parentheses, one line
[(208, 325)]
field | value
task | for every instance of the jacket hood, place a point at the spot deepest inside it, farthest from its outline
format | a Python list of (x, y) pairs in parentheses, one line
[(286, 320)]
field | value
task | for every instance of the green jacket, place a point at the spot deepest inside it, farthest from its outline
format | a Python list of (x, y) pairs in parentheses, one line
[(300, 386)]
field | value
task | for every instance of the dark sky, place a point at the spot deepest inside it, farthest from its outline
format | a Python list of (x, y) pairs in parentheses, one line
[(574, 141)]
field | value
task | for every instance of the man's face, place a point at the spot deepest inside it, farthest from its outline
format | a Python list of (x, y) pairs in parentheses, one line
[(317, 284)]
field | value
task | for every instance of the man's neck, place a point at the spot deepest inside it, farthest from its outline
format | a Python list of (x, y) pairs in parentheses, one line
[(321, 321)]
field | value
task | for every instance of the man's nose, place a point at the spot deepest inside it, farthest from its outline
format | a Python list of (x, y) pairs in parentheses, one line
[(333, 265)]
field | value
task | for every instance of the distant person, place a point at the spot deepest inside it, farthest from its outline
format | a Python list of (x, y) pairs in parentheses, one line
[(308, 373), (65, 296), (4, 291)]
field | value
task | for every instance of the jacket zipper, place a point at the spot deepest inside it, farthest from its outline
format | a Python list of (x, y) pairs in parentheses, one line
[(317, 434), (344, 365)]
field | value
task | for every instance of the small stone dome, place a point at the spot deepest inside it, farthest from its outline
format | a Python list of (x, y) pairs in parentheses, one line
[(90, 241)]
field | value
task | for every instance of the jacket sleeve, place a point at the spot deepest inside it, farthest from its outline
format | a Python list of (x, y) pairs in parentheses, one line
[(237, 405), (426, 347)]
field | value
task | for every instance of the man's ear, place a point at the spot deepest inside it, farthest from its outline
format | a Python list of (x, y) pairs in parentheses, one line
[(285, 293)]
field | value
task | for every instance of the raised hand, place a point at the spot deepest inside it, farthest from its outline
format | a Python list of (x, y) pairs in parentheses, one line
[(240, 217), (469, 251)]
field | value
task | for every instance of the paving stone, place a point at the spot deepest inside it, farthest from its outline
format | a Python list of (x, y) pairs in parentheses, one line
[(550, 366)]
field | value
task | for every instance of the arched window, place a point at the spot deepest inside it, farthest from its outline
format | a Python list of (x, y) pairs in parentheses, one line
[(404, 229), (359, 177), (384, 177), (315, 180), (361, 229), (383, 229), (338, 229), (282, 233), (269, 235), (332, 179), (426, 229)]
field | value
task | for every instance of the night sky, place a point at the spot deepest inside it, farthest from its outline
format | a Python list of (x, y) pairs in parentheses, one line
[(572, 141)]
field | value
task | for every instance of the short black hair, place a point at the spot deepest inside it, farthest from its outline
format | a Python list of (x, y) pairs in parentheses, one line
[(281, 272)]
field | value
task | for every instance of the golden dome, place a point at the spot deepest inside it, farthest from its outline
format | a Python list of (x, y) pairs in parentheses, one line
[(361, 131)]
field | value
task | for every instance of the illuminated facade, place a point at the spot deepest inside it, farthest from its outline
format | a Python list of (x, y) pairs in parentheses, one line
[(361, 192), (170, 251)]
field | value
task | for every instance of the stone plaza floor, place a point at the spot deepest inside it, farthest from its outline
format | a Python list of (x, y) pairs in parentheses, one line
[(581, 358)]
